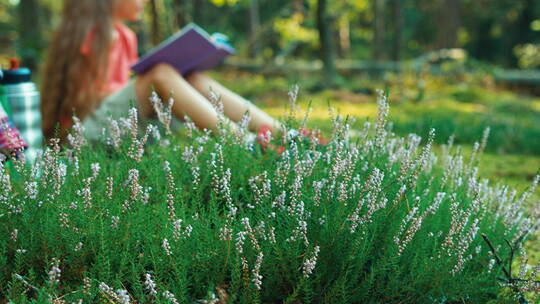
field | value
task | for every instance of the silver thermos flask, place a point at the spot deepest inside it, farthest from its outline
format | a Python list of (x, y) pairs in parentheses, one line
[(21, 100)]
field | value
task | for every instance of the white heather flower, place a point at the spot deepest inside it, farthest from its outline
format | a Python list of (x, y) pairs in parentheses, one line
[(21, 250), (14, 235), (150, 285), (165, 245), (78, 247), (132, 122), (309, 264), (95, 170), (115, 134), (145, 197), (257, 277), (225, 233), (240, 239), (77, 139), (179, 231), (293, 97), (272, 235), (114, 221), (87, 284), (64, 220), (123, 296), (169, 296), (133, 179), (54, 273), (491, 264), (477, 249), (190, 126), (31, 189)]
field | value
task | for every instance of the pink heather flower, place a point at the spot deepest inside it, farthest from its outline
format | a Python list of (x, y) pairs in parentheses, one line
[(164, 114), (77, 139), (115, 134)]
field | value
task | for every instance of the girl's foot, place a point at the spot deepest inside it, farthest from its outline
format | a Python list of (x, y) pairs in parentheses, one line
[(11, 142), (264, 136)]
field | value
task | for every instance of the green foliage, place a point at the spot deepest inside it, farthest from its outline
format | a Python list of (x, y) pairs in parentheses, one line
[(507, 34), (374, 219)]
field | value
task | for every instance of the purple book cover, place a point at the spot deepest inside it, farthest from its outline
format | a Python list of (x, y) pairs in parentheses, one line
[(189, 50)]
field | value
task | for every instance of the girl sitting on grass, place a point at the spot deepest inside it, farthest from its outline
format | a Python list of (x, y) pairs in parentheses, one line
[(87, 74)]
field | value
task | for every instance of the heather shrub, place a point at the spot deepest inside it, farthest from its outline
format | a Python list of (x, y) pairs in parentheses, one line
[(153, 218)]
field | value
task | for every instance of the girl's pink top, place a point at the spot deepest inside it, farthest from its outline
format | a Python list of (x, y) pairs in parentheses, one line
[(122, 56)]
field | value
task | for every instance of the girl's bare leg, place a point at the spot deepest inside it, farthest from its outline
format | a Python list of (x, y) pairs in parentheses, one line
[(234, 105), (187, 100)]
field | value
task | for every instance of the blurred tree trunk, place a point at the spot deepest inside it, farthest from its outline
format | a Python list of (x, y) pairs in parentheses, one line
[(199, 11), (31, 42), (298, 6), (451, 21), (344, 37), (181, 12), (378, 29), (523, 27), (327, 51), (397, 22), (254, 27), (155, 28)]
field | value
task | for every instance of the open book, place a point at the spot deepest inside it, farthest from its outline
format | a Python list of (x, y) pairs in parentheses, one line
[(191, 49)]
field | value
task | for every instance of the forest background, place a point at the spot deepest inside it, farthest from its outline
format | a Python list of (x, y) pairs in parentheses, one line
[(500, 32), (341, 51)]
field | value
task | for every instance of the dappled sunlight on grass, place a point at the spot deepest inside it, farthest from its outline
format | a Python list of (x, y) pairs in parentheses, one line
[(463, 107), (536, 105), (322, 112), (452, 105)]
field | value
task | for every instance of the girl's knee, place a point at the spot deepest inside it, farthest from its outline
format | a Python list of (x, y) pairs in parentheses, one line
[(197, 78), (162, 72)]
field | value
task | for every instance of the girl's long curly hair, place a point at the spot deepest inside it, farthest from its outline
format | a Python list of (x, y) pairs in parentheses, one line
[(71, 80)]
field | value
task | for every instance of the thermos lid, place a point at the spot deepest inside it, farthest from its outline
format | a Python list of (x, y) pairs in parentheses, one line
[(15, 74)]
